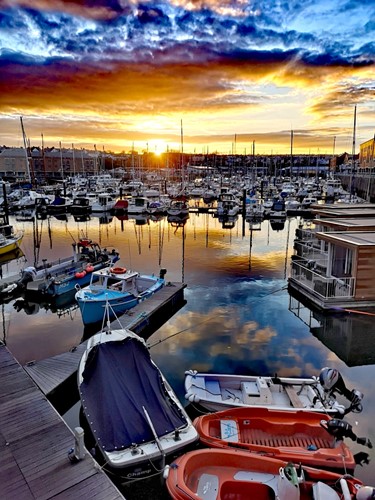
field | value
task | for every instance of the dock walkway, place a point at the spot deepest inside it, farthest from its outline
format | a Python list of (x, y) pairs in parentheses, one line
[(34, 445), (143, 319)]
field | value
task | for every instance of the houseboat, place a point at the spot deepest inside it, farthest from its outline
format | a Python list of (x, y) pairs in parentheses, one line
[(334, 263)]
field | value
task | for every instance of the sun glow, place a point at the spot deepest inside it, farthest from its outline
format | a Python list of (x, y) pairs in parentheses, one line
[(157, 146)]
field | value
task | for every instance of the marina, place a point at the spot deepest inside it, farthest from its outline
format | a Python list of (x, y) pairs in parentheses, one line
[(226, 308), (187, 251)]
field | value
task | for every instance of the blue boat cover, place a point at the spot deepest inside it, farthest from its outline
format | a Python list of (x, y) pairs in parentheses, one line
[(118, 380)]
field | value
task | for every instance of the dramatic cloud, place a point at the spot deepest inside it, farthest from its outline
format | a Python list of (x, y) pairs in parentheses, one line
[(239, 66)]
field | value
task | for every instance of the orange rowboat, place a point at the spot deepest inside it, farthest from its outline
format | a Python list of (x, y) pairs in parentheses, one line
[(297, 436), (211, 474)]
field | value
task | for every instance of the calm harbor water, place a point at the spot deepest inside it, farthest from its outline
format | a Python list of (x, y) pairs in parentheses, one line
[(239, 316)]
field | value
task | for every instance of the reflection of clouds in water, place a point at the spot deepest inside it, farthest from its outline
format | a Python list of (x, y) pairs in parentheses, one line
[(218, 341)]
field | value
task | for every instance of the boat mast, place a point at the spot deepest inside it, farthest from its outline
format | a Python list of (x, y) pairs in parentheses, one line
[(26, 151), (61, 162), (182, 160), (291, 154), (353, 153)]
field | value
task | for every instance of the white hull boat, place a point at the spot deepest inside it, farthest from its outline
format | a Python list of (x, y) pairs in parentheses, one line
[(133, 413), (217, 392)]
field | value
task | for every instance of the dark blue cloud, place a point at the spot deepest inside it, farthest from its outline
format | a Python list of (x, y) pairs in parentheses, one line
[(9, 21)]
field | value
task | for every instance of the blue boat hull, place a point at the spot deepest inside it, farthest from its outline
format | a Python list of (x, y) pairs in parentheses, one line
[(93, 310), (94, 304)]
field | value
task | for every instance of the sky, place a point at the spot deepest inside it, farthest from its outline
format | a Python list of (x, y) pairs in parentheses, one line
[(201, 76)]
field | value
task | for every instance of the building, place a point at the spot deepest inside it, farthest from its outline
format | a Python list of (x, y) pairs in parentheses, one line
[(48, 164), (366, 155)]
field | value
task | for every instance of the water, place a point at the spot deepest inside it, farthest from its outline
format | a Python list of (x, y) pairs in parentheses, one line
[(239, 316)]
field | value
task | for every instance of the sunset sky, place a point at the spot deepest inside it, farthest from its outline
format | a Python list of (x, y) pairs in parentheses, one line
[(114, 73)]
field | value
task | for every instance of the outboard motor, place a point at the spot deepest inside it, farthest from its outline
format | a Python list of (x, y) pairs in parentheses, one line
[(28, 274), (341, 429), (331, 381), (162, 273)]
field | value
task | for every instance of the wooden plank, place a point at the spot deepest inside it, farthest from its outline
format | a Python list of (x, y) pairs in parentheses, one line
[(34, 444), (293, 396)]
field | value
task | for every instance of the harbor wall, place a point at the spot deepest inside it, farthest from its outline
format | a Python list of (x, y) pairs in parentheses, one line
[(363, 185)]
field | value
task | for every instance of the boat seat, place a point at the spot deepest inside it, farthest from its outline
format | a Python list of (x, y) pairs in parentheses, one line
[(323, 491), (213, 390), (256, 393), (293, 396), (229, 431), (208, 487)]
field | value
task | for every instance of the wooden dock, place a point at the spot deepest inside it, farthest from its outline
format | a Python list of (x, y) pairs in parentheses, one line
[(34, 445), (143, 319)]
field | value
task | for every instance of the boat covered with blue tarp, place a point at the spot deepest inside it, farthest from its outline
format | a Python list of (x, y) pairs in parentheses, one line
[(130, 407)]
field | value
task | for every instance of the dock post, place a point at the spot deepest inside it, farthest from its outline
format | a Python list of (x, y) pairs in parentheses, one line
[(78, 453)]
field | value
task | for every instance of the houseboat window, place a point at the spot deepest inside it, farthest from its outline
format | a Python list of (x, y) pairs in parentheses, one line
[(342, 261)]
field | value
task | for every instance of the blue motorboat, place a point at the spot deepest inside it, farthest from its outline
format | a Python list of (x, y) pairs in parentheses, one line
[(118, 289), (61, 276)]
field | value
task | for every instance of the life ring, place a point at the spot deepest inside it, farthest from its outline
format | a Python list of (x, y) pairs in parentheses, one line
[(81, 274), (118, 270), (89, 268), (85, 242)]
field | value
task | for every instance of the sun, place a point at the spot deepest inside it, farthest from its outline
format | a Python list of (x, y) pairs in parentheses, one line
[(158, 147)]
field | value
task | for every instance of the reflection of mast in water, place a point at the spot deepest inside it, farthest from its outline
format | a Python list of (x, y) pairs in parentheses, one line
[(253, 227), (138, 237), (161, 230), (251, 245), (286, 249), (183, 255), (37, 238), (207, 227), (177, 223), (50, 232)]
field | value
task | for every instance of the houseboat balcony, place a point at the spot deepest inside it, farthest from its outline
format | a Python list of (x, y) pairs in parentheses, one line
[(309, 275), (309, 249), (305, 234)]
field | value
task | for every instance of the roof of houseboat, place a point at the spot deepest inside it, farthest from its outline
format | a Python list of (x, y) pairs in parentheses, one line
[(360, 223), (356, 238), (344, 210)]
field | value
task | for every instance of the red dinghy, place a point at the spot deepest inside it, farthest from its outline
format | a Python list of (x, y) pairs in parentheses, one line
[(211, 474), (302, 437)]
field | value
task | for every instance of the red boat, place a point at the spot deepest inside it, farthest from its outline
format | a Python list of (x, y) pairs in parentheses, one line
[(298, 436), (211, 474)]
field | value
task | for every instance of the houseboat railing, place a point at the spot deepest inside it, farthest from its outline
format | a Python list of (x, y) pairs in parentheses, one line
[(310, 250), (305, 234), (327, 287)]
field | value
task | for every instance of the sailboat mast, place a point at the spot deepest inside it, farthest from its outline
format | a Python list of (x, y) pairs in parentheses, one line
[(353, 153), (291, 154), (182, 159), (26, 151)]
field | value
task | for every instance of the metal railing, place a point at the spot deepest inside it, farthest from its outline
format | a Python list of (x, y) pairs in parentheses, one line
[(310, 250), (327, 287)]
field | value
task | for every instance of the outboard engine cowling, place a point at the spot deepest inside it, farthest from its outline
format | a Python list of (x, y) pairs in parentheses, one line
[(331, 381), (28, 275), (341, 429)]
